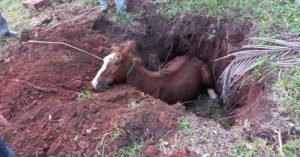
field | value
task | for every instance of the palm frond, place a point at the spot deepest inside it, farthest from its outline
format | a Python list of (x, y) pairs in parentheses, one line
[(276, 52)]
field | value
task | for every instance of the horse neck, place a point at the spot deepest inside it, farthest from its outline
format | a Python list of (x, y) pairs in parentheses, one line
[(138, 76)]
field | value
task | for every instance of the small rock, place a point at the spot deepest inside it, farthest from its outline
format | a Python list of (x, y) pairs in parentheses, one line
[(35, 4), (83, 144), (88, 131), (39, 21)]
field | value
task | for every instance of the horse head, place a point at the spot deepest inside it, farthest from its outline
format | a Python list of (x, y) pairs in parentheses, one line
[(115, 66)]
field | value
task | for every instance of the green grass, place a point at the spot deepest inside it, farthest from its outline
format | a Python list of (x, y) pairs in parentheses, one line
[(259, 147), (88, 2), (131, 151), (286, 91), (206, 106), (271, 16), (290, 148), (84, 96), (184, 126), (15, 13), (109, 137), (251, 149)]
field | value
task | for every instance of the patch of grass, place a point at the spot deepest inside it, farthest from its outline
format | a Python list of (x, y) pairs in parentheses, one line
[(251, 149), (16, 15), (111, 136), (184, 126), (272, 17), (135, 103), (286, 91), (125, 18), (88, 2), (84, 96), (259, 147), (67, 57), (206, 106), (290, 148), (131, 151)]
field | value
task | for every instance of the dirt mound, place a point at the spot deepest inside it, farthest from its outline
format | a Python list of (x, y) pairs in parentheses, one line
[(40, 88)]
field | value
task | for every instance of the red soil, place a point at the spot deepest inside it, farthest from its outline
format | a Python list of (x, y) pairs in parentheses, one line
[(38, 94)]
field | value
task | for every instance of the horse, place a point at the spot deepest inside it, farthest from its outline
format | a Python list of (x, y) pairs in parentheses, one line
[(177, 81)]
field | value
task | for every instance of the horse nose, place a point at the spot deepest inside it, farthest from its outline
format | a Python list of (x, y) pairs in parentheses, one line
[(101, 86)]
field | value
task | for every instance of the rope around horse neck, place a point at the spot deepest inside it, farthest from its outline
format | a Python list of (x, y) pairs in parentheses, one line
[(131, 69), (68, 45)]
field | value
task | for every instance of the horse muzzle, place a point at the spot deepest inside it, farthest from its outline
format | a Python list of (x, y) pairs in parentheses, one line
[(101, 86)]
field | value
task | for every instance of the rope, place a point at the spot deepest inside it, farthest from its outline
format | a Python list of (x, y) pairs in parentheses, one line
[(130, 70), (68, 45)]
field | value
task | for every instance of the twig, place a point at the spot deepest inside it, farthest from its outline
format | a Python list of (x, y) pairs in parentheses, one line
[(62, 43), (43, 89), (225, 118), (71, 19), (280, 142)]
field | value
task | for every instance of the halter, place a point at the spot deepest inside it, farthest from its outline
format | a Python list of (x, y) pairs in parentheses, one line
[(130, 69)]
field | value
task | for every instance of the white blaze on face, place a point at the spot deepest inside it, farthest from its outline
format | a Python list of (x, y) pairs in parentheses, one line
[(106, 60)]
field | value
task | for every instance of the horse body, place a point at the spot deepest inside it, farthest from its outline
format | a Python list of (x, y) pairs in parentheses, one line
[(179, 80)]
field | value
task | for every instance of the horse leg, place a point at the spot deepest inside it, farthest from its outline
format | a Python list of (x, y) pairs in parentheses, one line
[(212, 94)]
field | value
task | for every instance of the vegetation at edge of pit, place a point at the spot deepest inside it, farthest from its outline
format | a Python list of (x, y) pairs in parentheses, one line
[(272, 17), (131, 151), (286, 91), (259, 147), (15, 14), (88, 2), (184, 126)]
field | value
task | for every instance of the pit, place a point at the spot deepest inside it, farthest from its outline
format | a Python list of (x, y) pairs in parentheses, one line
[(44, 87)]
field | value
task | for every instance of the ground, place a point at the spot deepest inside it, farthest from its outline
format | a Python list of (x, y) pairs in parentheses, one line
[(46, 92)]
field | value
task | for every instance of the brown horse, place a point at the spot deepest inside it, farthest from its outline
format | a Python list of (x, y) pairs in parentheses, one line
[(179, 80)]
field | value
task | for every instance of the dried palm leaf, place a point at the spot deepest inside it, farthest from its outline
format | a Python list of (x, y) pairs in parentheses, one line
[(277, 52)]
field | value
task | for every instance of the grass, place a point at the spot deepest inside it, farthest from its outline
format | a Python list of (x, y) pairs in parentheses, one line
[(251, 149), (184, 126), (206, 106), (271, 16), (131, 151), (88, 2), (17, 19), (259, 147), (67, 57), (114, 134), (135, 103), (84, 96), (290, 148), (286, 91), (16, 15)]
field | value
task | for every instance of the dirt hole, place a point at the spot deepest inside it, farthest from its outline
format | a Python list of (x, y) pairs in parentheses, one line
[(160, 39), (43, 81)]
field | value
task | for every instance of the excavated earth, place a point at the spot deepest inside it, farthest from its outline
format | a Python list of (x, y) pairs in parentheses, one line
[(40, 84)]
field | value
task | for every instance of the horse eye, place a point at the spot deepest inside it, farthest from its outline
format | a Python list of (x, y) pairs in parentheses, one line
[(118, 62)]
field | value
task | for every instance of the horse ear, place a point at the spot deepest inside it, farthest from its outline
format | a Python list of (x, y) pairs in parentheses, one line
[(128, 47), (137, 60)]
